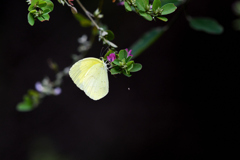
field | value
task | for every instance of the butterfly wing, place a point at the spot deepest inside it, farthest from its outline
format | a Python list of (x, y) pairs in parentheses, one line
[(90, 75), (95, 82), (80, 68)]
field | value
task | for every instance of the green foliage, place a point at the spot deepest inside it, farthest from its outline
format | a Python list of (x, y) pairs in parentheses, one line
[(30, 101), (156, 5), (207, 25), (39, 9), (168, 8), (127, 6), (123, 63), (144, 9), (176, 2), (146, 40), (146, 16), (110, 35), (163, 18), (84, 22)]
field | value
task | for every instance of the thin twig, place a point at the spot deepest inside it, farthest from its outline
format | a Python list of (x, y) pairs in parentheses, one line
[(88, 14)]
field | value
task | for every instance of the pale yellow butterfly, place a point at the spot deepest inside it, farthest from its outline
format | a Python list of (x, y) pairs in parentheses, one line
[(90, 75)]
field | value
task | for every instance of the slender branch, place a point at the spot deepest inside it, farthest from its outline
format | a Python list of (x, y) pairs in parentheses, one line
[(88, 14)]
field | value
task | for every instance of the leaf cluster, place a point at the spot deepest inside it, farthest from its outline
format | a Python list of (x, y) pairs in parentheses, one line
[(150, 11), (30, 101), (39, 9), (123, 63)]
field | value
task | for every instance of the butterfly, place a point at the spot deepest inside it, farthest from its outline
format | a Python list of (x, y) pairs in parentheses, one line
[(90, 75)]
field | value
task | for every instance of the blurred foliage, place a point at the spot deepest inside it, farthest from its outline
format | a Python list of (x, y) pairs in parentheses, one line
[(207, 25), (42, 148), (146, 40), (236, 11)]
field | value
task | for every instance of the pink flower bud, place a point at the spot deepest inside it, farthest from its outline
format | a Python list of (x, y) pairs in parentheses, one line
[(111, 57), (129, 52)]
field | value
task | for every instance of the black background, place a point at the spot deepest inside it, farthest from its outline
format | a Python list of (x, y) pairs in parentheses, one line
[(183, 104)]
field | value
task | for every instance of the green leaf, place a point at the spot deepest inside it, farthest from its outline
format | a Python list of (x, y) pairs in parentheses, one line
[(110, 35), (31, 7), (46, 11), (115, 71), (156, 5), (46, 17), (141, 5), (127, 6), (126, 73), (42, 4), (84, 22), (128, 58), (136, 67), (168, 8), (122, 54), (33, 11), (146, 40), (146, 16), (33, 2), (40, 18), (49, 5), (31, 19), (116, 61), (26, 105), (130, 65), (207, 25), (176, 2), (163, 19)]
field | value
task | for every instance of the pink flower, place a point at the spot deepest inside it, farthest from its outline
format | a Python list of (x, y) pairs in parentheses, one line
[(111, 57), (129, 52)]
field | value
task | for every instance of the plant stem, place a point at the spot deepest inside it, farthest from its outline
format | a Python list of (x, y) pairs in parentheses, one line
[(88, 14)]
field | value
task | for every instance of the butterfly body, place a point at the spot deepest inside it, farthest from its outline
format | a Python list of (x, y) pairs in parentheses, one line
[(90, 75)]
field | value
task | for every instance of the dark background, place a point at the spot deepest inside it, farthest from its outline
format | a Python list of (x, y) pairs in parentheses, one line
[(183, 104)]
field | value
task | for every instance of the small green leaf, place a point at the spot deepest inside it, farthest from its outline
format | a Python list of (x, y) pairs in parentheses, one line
[(126, 73), (176, 2), (122, 54), (141, 5), (33, 2), (128, 58), (31, 19), (116, 61), (156, 5), (146, 16), (46, 11), (40, 18), (136, 67), (127, 6), (130, 65), (110, 35), (168, 8), (26, 105), (46, 17), (42, 4), (84, 22), (114, 71), (163, 19), (207, 25), (31, 7), (146, 40)]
